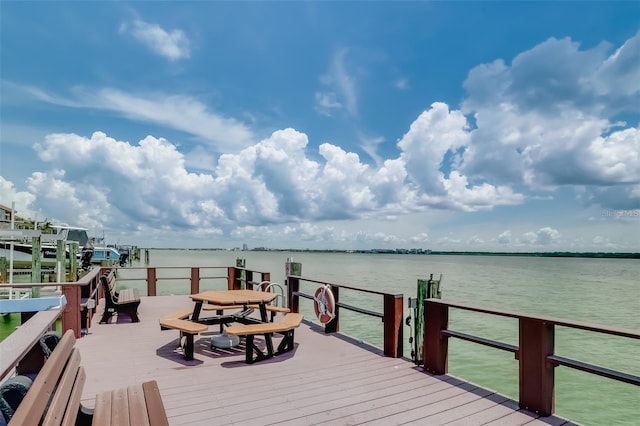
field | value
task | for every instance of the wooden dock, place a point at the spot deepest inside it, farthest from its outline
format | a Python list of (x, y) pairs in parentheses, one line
[(326, 379)]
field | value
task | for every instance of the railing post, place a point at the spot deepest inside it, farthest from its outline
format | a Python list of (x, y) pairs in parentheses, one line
[(393, 333), (73, 261), (435, 345), (195, 280), (293, 286), (36, 263), (152, 281), (333, 326), (231, 278), (536, 374), (265, 276), (71, 311), (248, 280)]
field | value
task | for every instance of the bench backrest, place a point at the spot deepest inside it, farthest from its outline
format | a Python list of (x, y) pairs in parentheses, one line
[(54, 396), (108, 284)]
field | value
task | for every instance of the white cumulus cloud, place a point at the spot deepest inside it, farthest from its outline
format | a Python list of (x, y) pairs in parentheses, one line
[(173, 45)]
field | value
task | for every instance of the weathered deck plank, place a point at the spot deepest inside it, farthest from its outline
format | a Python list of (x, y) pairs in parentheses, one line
[(323, 380)]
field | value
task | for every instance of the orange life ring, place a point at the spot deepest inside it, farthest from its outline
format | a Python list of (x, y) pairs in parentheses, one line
[(324, 304)]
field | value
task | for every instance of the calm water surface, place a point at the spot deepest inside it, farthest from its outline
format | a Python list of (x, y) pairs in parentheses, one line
[(602, 291)]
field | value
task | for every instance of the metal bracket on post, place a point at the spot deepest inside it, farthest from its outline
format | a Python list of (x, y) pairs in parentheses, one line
[(412, 303)]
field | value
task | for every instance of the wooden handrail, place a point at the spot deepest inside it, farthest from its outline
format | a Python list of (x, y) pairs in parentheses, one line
[(346, 306), (595, 369), (193, 274), (72, 290), (84, 280), (535, 351), (481, 341), (18, 344), (616, 331), (392, 315), (345, 286)]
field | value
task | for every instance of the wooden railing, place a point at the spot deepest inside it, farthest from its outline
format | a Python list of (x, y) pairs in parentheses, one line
[(245, 278), (75, 317), (74, 292), (20, 352), (535, 351), (391, 316), (235, 277)]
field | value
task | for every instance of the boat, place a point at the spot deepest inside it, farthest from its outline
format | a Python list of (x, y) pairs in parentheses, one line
[(101, 255), (22, 253), (90, 253)]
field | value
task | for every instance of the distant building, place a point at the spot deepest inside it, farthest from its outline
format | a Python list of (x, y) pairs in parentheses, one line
[(245, 247), (5, 213)]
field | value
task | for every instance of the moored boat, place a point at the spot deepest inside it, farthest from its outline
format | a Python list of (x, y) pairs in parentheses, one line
[(90, 254)]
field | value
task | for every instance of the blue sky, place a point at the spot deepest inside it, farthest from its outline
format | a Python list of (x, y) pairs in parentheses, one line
[(501, 126)]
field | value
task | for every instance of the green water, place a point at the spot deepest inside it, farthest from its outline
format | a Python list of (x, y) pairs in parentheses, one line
[(8, 323), (602, 291)]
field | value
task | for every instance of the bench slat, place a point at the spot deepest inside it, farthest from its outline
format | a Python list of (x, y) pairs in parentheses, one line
[(272, 308), (155, 406), (184, 325), (71, 415), (183, 314), (137, 406), (290, 321), (212, 307), (120, 407), (60, 400), (36, 400), (102, 410), (128, 295)]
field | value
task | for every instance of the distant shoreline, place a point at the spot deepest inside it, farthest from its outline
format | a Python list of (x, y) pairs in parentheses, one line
[(601, 255)]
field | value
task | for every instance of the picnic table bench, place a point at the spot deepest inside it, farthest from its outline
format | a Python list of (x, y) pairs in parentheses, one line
[(286, 326), (125, 301), (273, 309), (188, 329), (54, 396)]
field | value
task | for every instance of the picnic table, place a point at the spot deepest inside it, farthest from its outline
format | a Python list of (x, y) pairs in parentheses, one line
[(233, 298), (190, 324)]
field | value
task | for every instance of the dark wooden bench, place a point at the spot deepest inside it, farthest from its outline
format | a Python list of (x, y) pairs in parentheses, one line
[(123, 302), (286, 327), (54, 396)]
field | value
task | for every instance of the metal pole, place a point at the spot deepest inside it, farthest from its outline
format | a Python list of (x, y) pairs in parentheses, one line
[(13, 226)]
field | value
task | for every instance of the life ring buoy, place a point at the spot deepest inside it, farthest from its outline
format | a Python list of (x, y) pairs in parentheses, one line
[(324, 304)]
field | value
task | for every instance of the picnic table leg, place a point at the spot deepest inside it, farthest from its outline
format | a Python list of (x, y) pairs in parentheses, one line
[(196, 311), (263, 312), (250, 349), (220, 312), (287, 343), (188, 345), (269, 343)]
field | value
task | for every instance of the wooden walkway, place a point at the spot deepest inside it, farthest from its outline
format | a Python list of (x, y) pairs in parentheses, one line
[(327, 379)]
